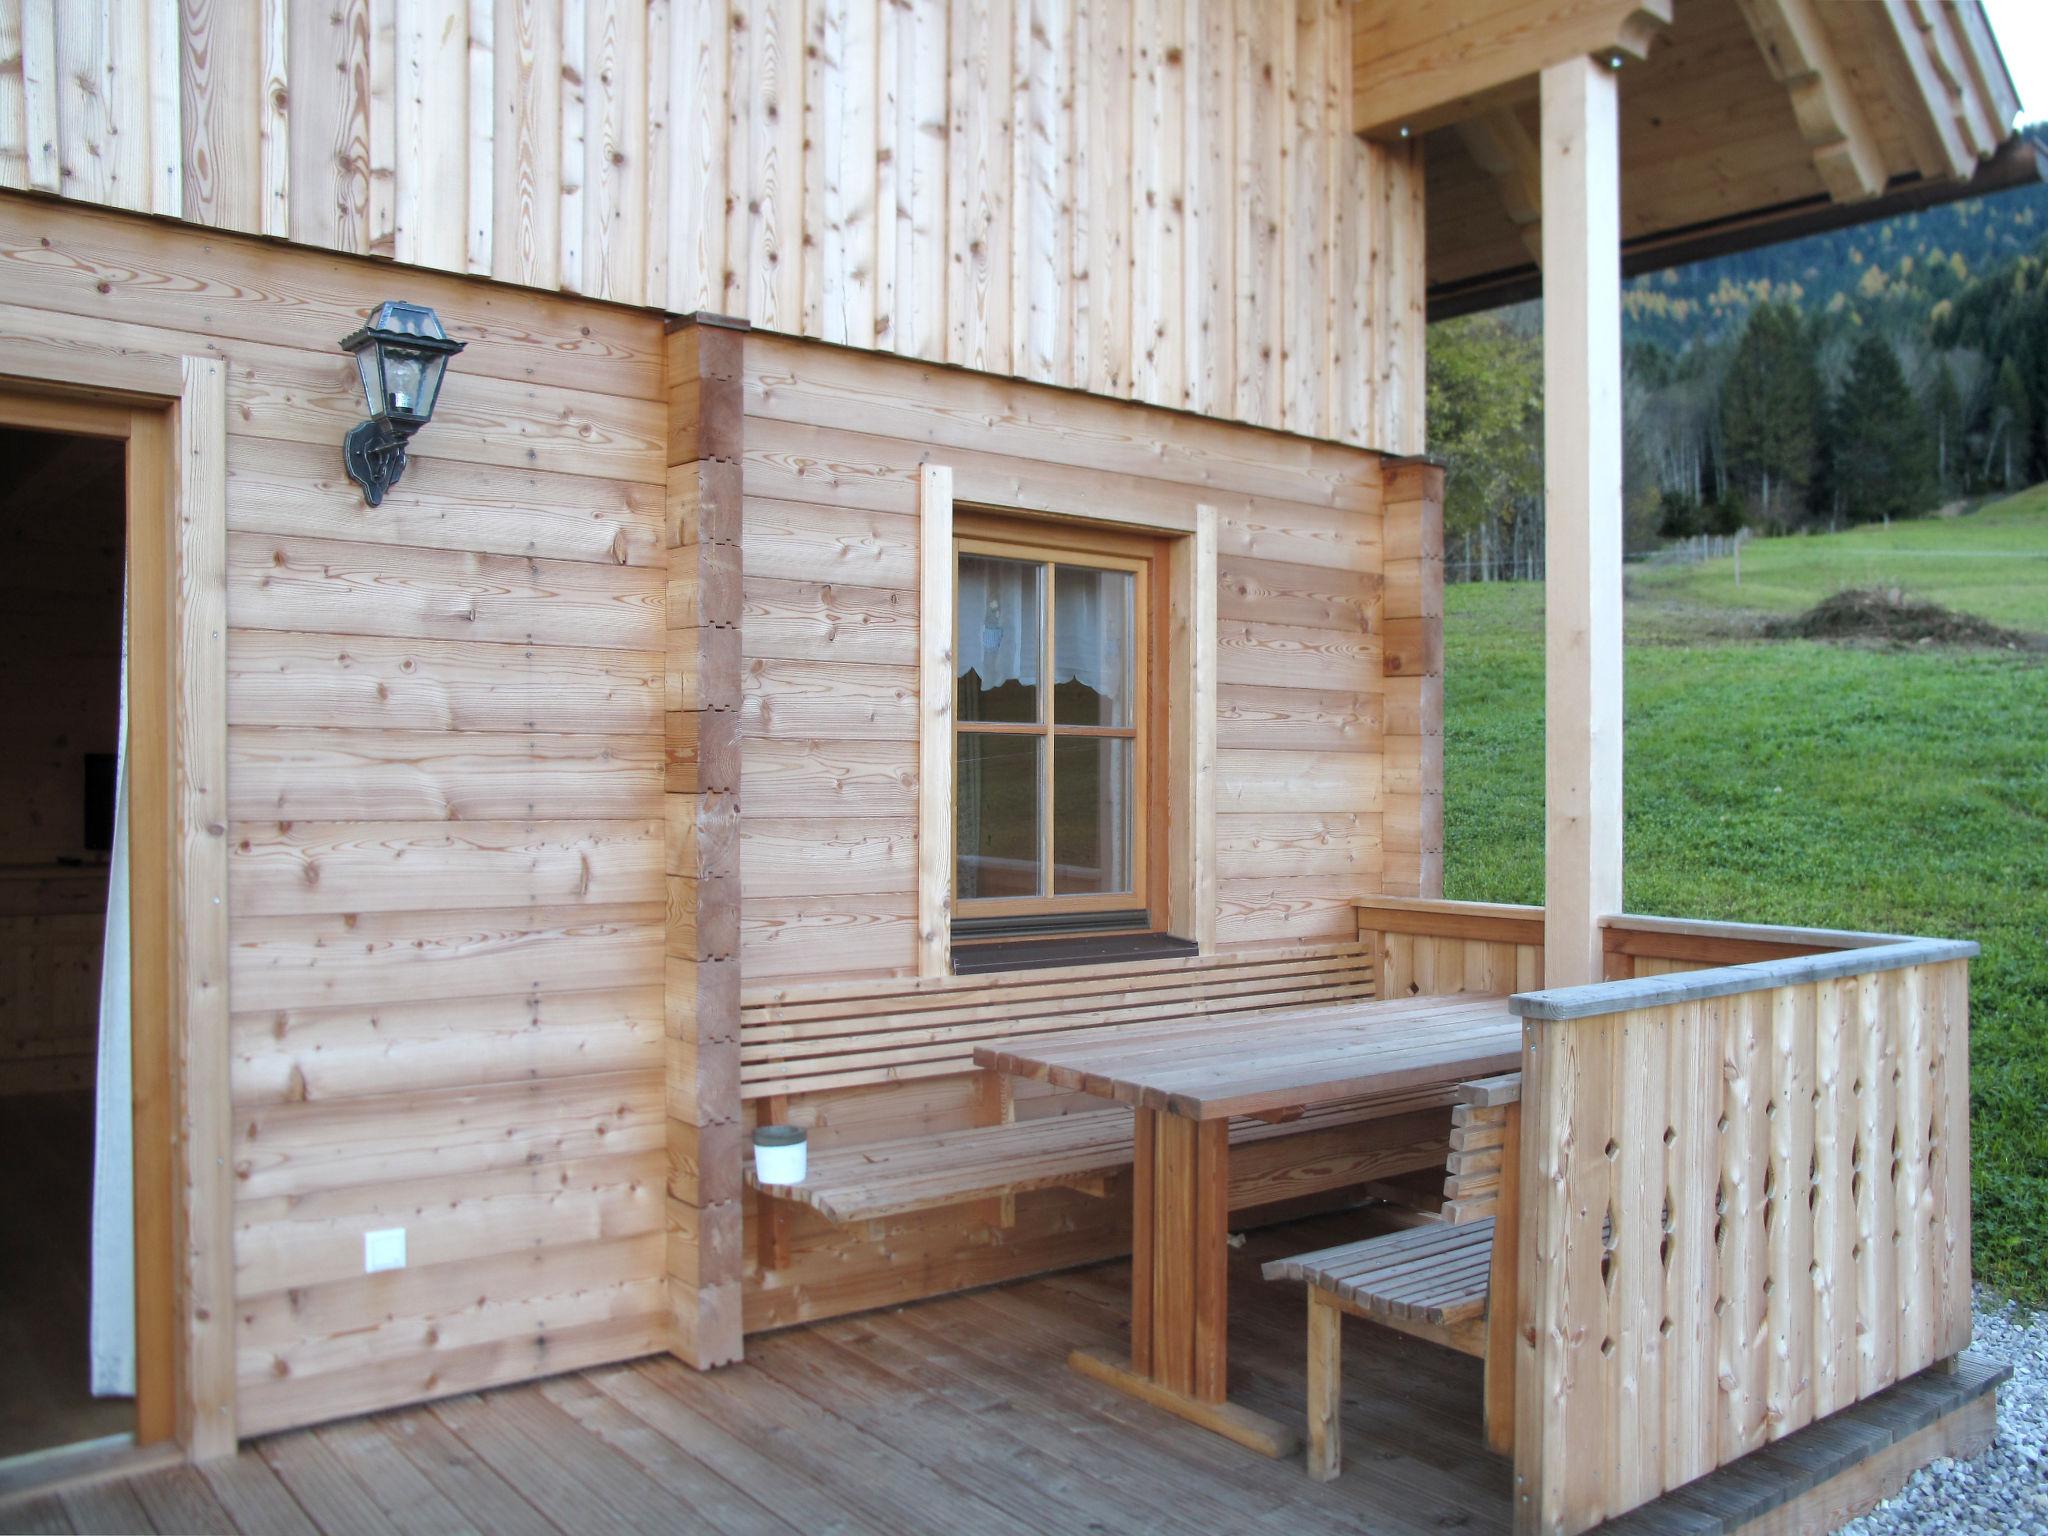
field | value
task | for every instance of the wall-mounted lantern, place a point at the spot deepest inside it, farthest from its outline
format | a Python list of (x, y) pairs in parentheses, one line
[(401, 354)]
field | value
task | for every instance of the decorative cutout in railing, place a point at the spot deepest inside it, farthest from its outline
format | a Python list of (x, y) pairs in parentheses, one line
[(1746, 1204)]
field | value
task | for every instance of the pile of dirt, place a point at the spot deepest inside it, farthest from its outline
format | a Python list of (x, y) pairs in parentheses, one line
[(1888, 615)]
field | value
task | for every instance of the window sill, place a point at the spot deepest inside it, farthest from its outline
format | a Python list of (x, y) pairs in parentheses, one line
[(984, 957)]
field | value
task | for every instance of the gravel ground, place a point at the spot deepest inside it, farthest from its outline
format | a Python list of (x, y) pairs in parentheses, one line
[(2005, 1491)]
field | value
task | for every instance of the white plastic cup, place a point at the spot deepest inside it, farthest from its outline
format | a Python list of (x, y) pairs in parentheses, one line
[(781, 1154)]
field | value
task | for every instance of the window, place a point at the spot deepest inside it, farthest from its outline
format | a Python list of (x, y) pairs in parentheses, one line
[(1055, 741)]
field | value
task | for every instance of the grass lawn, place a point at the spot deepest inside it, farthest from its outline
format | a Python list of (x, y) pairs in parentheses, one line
[(1803, 782), (1993, 563)]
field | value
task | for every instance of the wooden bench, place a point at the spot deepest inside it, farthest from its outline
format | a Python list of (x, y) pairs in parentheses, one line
[(1325, 1150), (828, 1038), (1450, 1281)]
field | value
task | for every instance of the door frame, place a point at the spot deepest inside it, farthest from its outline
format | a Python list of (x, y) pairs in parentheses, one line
[(171, 411)]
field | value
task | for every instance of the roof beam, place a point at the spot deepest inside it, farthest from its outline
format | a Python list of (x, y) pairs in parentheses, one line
[(1416, 67), (1802, 58), (1987, 64), (1502, 147), (1970, 109), (1919, 96), (2017, 164)]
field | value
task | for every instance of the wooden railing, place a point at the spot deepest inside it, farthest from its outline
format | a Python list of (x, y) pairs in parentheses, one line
[(1744, 1179), (1745, 1204), (1425, 947)]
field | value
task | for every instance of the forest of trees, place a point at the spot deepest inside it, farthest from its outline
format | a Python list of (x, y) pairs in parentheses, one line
[(1873, 374)]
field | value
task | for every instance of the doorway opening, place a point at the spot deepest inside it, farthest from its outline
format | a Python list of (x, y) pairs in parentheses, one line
[(82, 1143)]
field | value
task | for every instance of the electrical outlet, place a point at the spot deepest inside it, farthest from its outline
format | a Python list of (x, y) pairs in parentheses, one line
[(384, 1249)]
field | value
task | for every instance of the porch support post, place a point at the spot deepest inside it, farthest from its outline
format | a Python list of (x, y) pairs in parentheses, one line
[(1582, 501)]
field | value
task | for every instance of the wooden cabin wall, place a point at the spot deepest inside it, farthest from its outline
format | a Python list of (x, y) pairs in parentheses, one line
[(445, 772), (830, 636), (829, 679), (1157, 200)]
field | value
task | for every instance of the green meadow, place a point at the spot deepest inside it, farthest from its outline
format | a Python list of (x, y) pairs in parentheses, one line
[(1833, 784)]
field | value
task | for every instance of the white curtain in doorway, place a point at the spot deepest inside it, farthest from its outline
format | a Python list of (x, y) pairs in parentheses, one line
[(113, 1155)]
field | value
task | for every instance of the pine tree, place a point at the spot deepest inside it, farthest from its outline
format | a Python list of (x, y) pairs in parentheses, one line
[(1945, 409), (1882, 448), (1769, 400), (1825, 496), (2009, 450)]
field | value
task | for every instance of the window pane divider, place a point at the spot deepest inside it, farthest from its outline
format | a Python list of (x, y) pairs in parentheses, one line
[(1018, 728), (1046, 710)]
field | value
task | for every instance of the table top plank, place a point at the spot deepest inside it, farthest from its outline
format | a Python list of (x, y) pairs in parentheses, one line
[(1261, 1063)]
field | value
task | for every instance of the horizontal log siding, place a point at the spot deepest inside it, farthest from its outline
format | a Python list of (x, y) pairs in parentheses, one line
[(829, 678), (445, 769), (829, 708), (1041, 188)]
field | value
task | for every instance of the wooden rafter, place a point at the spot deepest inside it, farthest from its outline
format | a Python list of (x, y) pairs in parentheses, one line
[(1502, 147), (1945, 52), (1421, 67), (1803, 59), (1925, 108), (1986, 65)]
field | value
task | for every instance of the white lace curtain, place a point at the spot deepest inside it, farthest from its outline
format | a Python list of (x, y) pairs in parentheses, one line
[(1002, 623)]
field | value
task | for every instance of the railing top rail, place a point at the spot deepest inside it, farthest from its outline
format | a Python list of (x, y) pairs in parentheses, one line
[(1561, 1004), (1770, 933), (1432, 904), (1635, 922)]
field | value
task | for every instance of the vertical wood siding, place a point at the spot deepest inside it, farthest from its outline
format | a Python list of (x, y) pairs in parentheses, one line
[(1150, 199), (445, 749), (1742, 1213)]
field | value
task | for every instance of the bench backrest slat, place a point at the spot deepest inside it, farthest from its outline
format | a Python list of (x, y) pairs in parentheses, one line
[(894, 1029)]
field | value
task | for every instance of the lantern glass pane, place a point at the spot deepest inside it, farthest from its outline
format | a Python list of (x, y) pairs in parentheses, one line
[(432, 367), (368, 366)]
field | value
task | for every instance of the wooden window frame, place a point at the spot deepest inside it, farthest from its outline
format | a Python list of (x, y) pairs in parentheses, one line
[(1186, 861), (1053, 544)]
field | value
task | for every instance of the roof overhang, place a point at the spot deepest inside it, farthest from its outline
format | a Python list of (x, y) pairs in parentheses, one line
[(1743, 122), (2020, 161)]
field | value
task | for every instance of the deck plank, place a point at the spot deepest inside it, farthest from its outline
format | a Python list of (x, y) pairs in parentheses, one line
[(897, 1400), (544, 1479), (690, 1486), (405, 1494), (897, 1493), (328, 1492), (255, 1500), (462, 1476), (106, 1507), (954, 1414), (34, 1516), (794, 1491), (177, 1499)]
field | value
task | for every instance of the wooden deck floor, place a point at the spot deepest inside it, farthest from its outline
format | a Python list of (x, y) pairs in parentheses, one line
[(953, 1416)]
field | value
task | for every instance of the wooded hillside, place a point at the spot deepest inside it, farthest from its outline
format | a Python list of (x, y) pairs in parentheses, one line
[(1859, 376)]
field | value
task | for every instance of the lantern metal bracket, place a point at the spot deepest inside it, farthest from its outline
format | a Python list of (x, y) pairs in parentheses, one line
[(374, 455)]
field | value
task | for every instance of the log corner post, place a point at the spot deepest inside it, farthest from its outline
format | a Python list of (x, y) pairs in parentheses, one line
[(701, 854), (1412, 625)]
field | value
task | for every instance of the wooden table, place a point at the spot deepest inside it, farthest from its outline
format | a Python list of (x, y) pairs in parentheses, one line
[(1186, 1082)]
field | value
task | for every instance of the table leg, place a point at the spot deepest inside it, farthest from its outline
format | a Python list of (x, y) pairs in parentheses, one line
[(1180, 1231)]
